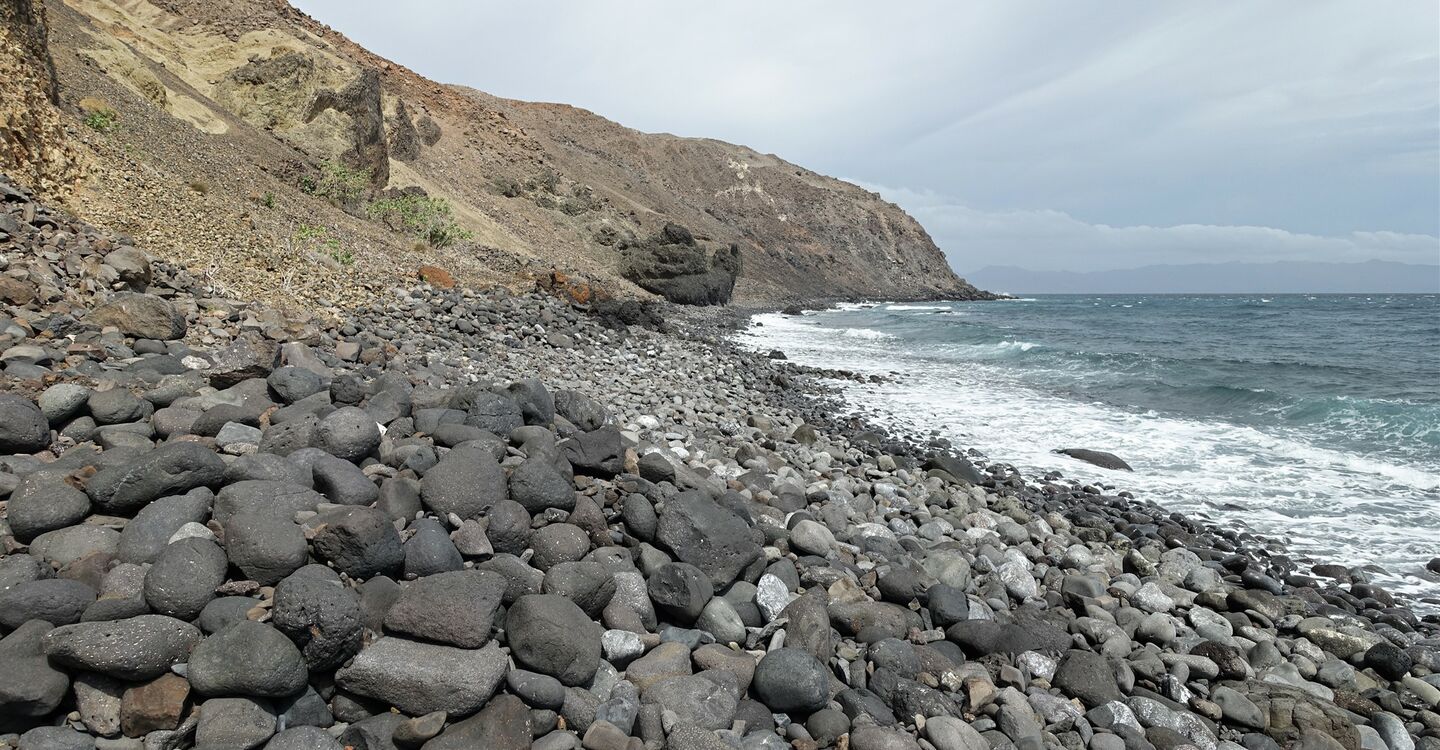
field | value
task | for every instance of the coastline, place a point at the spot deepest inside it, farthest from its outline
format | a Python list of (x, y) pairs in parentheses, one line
[(475, 518)]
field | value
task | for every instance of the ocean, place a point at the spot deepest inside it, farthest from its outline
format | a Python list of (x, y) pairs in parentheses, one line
[(1313, 419)]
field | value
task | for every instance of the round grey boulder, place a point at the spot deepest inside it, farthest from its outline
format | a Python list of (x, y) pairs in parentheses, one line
[(320, 615), (788, 680), (304, 738), (184, 577), (44, 503), (557, 543), (118, 406), (538, 486), (239, 723), (292, 383), (349, 433), (429, 551), (551, 635), (58, 601), (264, 547), (62, 401), (56, 738), (680, 591), (247, 658), (359, 542), (135, 649), (466, 482), (23, 427)]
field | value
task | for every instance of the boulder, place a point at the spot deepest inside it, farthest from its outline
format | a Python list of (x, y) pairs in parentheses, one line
[(23, 427), (466, 482), (184, 578), (788, 680), (172, 469), (57, 601), (456, 608), (143, 316), (1099, 458), (247, 658), (419, 678), (134, 649), (234, 723), (359, 542), (32, 687), (320, 614), (700, 531), (551, 635), (675, 266), (264, 547)]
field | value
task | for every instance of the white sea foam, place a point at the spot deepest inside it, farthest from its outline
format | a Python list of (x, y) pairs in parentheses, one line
[(1329, 505), (915, 307), (864, 333)]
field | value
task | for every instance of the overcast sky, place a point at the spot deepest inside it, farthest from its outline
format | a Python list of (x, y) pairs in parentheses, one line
[(1077, 135)]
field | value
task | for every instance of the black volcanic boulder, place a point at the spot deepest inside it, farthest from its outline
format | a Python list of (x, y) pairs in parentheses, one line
[(171, 469), (700, 531), (1099, 458), (23, 427), (551, 635), (677, 267), (956, 466)]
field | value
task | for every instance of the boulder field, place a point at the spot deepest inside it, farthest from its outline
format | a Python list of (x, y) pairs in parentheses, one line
[(460, 518)]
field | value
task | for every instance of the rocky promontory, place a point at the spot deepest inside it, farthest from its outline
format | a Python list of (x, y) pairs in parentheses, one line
[(473, 518)]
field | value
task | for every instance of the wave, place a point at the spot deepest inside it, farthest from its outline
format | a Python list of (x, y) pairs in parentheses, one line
[(916, 307), (865, 333)]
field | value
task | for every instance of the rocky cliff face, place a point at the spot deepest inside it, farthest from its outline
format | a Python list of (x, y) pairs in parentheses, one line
[(248, 139), (33, 145)]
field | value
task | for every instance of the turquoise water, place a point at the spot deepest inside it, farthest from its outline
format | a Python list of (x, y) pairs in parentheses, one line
[(1315, 418)]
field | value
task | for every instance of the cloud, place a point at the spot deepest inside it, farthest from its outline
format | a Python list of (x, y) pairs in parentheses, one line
[(1054, 240)]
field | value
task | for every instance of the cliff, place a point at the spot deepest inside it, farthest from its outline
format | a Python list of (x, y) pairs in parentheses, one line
[(285, 162)]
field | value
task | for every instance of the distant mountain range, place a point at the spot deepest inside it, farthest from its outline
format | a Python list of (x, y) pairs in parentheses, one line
[(1295, 277)]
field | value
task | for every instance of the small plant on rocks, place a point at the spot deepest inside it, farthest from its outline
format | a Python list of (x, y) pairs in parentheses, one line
[(337, 182), (311, 238), (102, 120), (423, 216)]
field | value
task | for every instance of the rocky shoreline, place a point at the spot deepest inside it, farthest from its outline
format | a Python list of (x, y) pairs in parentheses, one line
[(476, 519)]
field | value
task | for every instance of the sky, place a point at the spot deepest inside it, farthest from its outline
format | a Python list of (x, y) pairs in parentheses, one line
[(1082, 135)]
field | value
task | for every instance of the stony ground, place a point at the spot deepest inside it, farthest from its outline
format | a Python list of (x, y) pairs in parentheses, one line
[(462, 519)]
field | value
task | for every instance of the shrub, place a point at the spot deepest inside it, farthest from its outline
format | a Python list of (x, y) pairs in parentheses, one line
[(337, 182), (102, 120), (308, 237), (424, 217), (508, 187)]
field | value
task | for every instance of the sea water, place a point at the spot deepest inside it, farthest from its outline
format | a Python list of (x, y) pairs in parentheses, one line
[(1314, 419)]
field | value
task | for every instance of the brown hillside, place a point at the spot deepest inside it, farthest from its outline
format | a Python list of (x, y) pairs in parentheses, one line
[(251, 142)]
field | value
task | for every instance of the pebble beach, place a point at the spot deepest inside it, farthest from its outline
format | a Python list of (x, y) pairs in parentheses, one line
[(459, 518)]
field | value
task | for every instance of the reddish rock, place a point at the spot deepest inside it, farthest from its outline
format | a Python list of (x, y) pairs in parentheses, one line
[(564, 286), (158, 704), (437, 277)]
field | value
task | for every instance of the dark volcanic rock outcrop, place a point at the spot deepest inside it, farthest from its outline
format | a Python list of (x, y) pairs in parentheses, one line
[(674, 265)]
